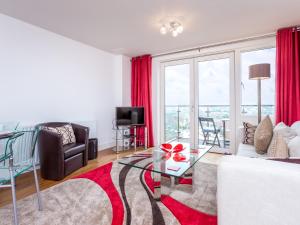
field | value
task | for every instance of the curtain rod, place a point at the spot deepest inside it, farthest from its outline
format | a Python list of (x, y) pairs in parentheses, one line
[(217, 44)]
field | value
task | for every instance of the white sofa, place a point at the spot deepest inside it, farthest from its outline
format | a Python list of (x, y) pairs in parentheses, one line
[(254, 191), (246, 150), (249, 150)]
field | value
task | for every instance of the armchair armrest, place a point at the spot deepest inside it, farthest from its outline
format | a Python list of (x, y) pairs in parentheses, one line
[(82, 136), (51, 154), (257, 191), (81, 133)]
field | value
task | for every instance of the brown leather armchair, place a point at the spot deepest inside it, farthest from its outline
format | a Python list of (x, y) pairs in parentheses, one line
[(58, 160)]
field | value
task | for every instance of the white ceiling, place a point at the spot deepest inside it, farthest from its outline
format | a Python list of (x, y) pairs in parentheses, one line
[(131, 27)]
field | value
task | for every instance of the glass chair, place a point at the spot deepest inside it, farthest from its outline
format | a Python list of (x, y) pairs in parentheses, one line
[(13, 164)]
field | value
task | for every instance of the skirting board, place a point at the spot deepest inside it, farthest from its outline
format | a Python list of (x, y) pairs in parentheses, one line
[(106, 146)]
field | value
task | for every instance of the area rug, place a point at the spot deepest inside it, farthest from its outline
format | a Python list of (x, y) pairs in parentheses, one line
[(121, 195)]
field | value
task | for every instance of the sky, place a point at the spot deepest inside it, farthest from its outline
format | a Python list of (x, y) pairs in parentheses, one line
[(214, 81)]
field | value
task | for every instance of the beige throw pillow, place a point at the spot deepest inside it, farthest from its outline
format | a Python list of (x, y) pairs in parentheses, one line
[(263, 135), (278, 147), (66, 133)]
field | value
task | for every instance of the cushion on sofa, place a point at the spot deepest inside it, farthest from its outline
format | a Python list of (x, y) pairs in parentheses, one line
[(294, 147), (278, 147), (279, 126), (296, 127), (249, 130), (285, 131), (249, 151), (263, 135)]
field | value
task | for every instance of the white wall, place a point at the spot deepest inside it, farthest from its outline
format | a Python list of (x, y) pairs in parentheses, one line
[(47, 77)]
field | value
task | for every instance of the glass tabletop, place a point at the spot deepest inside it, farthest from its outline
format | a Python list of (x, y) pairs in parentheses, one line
[(172, 164)]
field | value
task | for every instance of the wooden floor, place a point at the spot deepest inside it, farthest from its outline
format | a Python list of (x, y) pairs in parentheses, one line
[(25, 183)]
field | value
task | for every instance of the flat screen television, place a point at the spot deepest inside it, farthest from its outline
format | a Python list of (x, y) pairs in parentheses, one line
[(129, 116)]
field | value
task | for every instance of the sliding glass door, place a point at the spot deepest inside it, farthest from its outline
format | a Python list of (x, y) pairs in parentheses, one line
[(197, 101), (215, 100), (177, 101), (206, 98)]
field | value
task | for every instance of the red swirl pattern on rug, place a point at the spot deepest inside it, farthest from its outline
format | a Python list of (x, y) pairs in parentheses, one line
[(102, 177), (183, 213)]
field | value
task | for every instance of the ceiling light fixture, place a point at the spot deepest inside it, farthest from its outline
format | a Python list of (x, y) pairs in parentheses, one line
[(172, 27)]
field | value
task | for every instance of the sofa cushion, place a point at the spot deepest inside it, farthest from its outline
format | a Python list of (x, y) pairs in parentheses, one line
[(66, 133), (285, 131), (263, 135), (296, 127), (294, 147), (249, 151), (249, 130), (72, 149), (279, 126), (278, 147)]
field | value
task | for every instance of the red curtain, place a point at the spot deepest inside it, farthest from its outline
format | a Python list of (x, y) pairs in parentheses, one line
[(287, 75), (141, 91)]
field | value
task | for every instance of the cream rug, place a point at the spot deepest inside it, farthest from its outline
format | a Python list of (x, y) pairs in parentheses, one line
[(118, 194)]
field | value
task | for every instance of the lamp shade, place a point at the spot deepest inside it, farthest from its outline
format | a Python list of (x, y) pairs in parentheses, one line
[(259, 71)]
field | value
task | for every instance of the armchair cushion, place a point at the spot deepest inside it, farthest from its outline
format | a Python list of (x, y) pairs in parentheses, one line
[(65, 131), (73, 149)]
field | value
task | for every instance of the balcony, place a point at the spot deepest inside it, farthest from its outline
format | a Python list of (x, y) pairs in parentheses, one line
[(177, 120)]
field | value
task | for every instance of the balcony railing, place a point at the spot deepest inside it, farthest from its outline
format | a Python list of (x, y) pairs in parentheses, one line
[(177, 117)]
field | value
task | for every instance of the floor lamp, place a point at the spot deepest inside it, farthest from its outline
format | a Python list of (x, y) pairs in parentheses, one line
[(259, 72)]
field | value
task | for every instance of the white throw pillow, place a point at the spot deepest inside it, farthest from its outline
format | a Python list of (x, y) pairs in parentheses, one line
[(296, 127), (285, 131), (279, 126), (294, 147)]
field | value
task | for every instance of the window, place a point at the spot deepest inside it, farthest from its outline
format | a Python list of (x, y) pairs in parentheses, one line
[(202, 88), (177, 102), (249, 87)]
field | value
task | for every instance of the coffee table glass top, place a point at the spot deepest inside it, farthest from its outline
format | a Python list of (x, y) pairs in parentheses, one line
[(165, 163)]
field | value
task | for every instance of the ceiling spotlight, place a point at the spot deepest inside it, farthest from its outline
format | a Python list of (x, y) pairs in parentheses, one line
[(172, 27), (179, 29), (163, 30), (174, 33)]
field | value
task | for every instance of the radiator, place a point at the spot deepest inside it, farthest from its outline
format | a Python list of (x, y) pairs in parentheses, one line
[(22, 147)]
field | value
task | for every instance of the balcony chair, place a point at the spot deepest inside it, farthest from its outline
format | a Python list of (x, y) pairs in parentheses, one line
[(208, 128), (58, 160), (10, 168)]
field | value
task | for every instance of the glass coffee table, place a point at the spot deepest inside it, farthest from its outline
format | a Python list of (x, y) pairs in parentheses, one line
[(162, 163)]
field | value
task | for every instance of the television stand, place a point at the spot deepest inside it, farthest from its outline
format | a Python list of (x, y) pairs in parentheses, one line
[(123, 134)]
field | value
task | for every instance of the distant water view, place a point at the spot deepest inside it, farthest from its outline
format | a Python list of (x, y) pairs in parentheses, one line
[(177, 118)]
